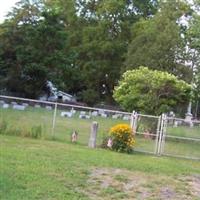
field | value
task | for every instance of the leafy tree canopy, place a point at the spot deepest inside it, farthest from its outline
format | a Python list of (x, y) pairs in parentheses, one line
[(151, 91)]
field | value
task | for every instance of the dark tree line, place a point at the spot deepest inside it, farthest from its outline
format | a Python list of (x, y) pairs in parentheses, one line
[(84, 46)]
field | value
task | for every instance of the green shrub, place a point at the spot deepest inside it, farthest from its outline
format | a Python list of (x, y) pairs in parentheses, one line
[(3, 126), (36, 132)]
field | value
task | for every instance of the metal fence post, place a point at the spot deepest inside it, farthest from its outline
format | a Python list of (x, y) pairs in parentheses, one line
[(133, 122), (160, 135), (54, 121), (164, 133), (157, 135)]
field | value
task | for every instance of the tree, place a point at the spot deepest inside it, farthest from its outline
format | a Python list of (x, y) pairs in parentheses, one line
[(193, 55), (151, 91), (34, 49), (157, 42)]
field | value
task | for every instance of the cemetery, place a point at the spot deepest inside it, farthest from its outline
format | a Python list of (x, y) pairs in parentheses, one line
[(100, 100), (181, 138)]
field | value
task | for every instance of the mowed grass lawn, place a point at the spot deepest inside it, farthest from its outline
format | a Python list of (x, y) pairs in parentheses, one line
[(39, 169), (24, 121)]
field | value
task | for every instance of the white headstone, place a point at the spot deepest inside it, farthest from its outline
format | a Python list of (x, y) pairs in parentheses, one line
[(101, 111), (5, 105), (126, 117), (66, 114), (14, 103), (37, 106), (87, 116), (25, 104), (82, 116), (94, 113), (19, 107), (73, 111), (104, 115), (48, 107), (82, 113), (175, 124), (115, 116), (2, 102)]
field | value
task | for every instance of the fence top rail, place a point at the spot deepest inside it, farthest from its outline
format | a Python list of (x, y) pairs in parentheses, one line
[(183, 138), (62, 104), (150, 116), (181, 119)]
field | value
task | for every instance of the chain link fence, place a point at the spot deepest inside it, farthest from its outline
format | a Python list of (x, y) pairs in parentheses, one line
[(159, 135)]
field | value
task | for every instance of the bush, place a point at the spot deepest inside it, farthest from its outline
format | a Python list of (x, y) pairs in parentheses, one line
[(151, 91), (122, 137), (3, 126), (36, 132)]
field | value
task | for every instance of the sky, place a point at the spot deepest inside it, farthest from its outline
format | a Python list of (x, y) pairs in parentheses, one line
[(5, 7)]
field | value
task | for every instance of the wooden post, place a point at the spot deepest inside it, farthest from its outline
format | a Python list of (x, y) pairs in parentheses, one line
[(93, 135)]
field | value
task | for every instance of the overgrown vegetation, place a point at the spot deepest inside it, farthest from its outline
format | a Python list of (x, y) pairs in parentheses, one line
[(33, 132)]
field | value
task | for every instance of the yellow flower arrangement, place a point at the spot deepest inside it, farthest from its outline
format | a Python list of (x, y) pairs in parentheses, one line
[(122, 138)]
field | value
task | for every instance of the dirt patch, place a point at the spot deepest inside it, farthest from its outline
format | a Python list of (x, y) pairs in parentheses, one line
[(194, 183), (108, 184)]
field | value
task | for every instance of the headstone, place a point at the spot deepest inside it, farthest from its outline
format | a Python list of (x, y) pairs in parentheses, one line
[(82, 113), (2, 102), (93, 135), (94, 113), (175, 124), (84, 116), (25, 104), (37, 106), (19, 107), (104, 115), (126, 117), (66, 114), (48, 107), (5, 105), (116, 116), (73, 111), (87, 116), (13, 103), (101, 111)]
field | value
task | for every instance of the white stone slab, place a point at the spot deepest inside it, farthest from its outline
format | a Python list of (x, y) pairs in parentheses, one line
[(115, 116), (66, 114), (82, 113), (94, 113), (25, 104), (19, 107), (14, 103), (126, 117), (104, 115), (48, 107), (84, 116), (73, 111), (101, 112), (5, 105), (2, 102), (37, 106)]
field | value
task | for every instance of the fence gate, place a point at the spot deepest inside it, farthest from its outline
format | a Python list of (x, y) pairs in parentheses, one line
[(157, 135)]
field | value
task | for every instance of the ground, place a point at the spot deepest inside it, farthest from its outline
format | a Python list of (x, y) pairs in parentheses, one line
[(40, 169)]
